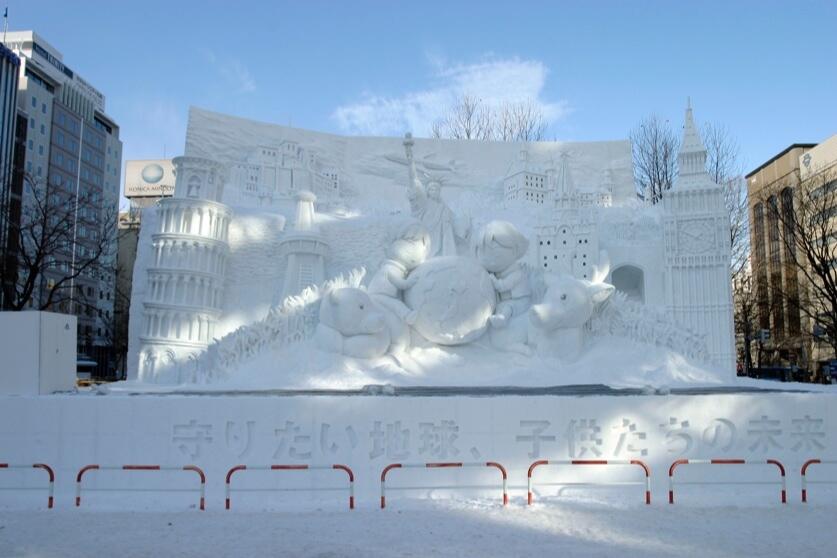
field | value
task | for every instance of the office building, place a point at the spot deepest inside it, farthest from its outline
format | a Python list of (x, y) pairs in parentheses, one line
[(73, 153)]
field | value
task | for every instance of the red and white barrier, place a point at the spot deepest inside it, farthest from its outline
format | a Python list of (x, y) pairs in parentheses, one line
[(679, 462), (806, 482), (300, 467), (447, 465), (637, 462), (194, 468), (45, 467)]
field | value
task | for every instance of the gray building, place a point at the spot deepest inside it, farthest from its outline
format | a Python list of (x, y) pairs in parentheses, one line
[(9, 202), (73, 152)]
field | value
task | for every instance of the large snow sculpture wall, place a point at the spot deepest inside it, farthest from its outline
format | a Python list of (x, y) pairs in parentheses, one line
[(575, 203), (185, 286)]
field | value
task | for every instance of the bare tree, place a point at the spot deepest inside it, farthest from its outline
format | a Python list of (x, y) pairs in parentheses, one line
[(723, 163), (654, 148), (519, 121), (469, 119), (64, 242), (745, 314), (807, 216)]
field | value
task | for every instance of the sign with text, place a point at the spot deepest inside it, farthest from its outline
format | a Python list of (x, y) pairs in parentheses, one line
[(154, 178)]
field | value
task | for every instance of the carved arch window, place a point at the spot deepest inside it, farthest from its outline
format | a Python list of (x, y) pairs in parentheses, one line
[(630, 280)]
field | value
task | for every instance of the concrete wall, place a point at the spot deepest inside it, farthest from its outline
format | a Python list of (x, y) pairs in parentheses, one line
[(38, 352)]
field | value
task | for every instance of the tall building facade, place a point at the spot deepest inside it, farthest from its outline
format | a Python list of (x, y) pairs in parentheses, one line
[(771, 189), (73, 153), (9, 215)]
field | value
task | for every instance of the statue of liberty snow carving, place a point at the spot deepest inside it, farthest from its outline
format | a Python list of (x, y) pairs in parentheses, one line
[(428, 207)]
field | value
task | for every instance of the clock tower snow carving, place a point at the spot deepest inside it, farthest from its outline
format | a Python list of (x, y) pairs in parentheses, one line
[(698, 293)]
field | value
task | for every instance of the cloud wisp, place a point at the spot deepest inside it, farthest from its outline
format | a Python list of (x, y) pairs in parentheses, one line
[(233, 72), (494, 81)]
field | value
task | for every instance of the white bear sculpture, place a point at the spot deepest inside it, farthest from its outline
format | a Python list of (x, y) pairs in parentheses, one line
[(555, 326), (351, 325), (557, 323)]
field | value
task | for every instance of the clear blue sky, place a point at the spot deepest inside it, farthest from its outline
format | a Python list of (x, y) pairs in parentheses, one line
[(767, 70)]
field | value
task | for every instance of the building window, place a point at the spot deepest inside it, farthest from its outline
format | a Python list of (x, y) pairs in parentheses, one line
[(34, 102), (43, 130), (43, 108), (32, 123), (791, 282)]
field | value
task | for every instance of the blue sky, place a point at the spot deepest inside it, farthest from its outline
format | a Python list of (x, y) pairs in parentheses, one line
[(764, 69)]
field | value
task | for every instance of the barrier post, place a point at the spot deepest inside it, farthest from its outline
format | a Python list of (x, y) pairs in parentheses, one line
[(291, 467), (444, 465), (646, 469), (805, 480), (50, 474), (680, 462), (96, 467)]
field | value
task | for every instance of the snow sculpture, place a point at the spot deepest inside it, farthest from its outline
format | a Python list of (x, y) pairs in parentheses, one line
[(558, 321), (579, 199), (428, 207), (697, 250), (556, 325), (292, 321), (407, 251), (453, 298), (185, 288), (622, 317), (351, 325), (499, 249), (305, 249)]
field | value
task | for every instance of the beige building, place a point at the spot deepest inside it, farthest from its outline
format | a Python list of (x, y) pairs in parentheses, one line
[(780, 289), (770, 189)]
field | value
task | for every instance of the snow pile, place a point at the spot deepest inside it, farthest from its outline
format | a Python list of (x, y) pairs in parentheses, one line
[(472, 528)]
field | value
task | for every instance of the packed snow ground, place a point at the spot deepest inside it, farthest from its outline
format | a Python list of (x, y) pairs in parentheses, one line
[(431, 528)]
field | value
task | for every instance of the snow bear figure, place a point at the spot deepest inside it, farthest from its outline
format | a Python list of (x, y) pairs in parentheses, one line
[(409, 249), (557, 323), (499, 248), (351, 325)]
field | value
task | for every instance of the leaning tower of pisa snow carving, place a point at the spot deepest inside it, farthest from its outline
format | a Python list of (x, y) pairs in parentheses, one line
[(185, 289)]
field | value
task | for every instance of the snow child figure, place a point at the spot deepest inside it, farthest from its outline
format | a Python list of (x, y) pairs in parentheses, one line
[(499, 248), (409, 250)]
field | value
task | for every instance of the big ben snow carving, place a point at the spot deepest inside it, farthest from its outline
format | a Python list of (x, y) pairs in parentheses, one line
[(697, 251)]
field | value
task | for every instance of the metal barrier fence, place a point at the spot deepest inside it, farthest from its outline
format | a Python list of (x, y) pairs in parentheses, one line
[(806, 482), (194, 468), (679, 462), (295, 467), (445, 465), (645, 468), (45, 467)]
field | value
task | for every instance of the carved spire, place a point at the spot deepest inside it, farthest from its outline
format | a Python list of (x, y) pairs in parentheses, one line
[(565, 177), (692, 157)]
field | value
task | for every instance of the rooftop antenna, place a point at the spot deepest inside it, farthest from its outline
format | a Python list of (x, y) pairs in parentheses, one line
[(5, 23)]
